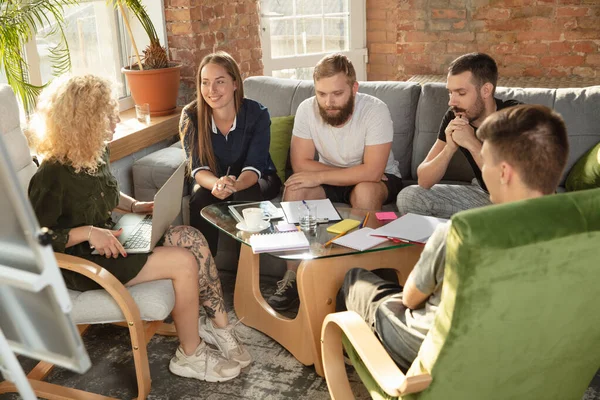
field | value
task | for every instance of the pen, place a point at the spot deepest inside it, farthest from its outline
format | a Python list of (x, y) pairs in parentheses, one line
[(338, 236), (366, 219), (227, 174)]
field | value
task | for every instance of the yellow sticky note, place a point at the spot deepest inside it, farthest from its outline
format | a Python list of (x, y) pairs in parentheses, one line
[(343, 226)]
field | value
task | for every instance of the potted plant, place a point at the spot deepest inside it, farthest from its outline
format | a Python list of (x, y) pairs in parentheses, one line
[(152, 78), (19, 22)]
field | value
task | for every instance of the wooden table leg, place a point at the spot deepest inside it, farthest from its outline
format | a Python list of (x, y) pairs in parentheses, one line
[(319, 280), (249, 304)]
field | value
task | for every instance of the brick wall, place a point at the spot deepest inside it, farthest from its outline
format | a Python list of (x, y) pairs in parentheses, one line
[(196, 28), (551, 38)]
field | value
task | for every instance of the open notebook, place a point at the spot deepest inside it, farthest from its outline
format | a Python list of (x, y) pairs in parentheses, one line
[(281, 241)]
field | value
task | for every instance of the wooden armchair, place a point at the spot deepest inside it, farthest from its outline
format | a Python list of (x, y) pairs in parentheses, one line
[(518, 317), (141, 308)]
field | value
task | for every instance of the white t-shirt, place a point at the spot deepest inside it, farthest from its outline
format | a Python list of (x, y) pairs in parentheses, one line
[(370, 124)]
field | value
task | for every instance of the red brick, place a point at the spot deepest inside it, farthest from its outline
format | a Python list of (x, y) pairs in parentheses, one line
[(560, 47), (572, 11), (549, 35), (559, 72), (593, 59), (589, 23), (181, 28), (458, 47), (522, 60), (534, 71), (563, 61), (459, 25), (504, 48), (533, 48), (492, 13), (586, 72), (178, 15), (578, 35), (585, 47), (440, 25), (540, 24), (410, 48), (373, 13), (459, 36), (375, 37), (536, 11), (421, 37), (569, 2), (448, 14), (521, 24), (382, 47)]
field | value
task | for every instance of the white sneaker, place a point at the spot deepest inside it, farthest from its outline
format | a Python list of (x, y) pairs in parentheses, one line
[(226, 340), (205, 364)]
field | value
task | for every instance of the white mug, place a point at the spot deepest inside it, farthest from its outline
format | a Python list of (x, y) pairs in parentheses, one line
[(254, 218)]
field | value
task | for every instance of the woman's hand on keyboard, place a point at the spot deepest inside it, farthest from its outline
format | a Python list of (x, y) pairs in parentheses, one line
[(142, 207), (106, 243)]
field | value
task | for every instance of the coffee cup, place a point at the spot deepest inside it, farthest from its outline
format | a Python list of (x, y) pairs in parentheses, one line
[(254, 218)]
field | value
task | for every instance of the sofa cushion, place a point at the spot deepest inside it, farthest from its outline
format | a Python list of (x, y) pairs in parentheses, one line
[(580, 109), (281, 136), (585, 174), (433, 104)]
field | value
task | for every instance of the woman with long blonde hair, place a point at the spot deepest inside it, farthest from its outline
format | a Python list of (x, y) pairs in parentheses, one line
[(73, 193), (226, 137)]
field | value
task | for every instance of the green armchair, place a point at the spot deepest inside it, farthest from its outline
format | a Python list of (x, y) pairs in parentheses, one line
[(519, 312)]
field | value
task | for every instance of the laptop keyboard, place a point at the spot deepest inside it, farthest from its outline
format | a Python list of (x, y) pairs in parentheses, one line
[(142, 235)]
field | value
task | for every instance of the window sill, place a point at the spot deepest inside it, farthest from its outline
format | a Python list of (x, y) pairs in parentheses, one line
[(132, 135)]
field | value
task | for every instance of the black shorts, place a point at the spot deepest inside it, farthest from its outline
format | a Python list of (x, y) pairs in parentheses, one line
[(341, 194)]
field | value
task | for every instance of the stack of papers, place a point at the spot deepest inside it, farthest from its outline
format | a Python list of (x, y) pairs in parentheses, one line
[(410, 227)]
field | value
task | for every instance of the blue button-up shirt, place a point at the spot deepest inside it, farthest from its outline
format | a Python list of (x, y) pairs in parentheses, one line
[(246, 146)]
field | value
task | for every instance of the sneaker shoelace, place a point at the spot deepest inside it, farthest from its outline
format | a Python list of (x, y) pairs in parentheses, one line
[(283, 284), (234, 336)]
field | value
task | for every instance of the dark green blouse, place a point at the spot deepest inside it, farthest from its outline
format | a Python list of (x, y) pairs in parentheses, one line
[(63, 199)]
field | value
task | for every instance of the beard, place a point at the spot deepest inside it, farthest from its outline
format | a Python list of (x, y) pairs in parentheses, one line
[(474, 112), (344, 113)]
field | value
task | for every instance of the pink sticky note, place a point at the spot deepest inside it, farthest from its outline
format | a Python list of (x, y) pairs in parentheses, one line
[(386, 216)]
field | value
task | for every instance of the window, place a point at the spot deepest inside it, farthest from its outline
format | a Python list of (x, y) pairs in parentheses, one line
[(295, 34), (98, 43)]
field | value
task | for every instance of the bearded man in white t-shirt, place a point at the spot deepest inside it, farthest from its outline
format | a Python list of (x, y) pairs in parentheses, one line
[(352, 133)]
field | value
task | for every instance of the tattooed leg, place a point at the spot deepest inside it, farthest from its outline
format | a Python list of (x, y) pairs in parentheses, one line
[(211, 294)]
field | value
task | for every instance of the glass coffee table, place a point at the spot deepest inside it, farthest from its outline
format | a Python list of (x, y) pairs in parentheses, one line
[(319, 277)]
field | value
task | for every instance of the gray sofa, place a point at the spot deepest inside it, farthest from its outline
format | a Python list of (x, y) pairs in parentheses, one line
[(416, 112)]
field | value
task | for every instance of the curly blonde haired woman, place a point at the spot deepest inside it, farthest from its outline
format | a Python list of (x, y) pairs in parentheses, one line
[(73, 193)]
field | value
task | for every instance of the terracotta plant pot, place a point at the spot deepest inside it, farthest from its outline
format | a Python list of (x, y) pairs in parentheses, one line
[(157, 87)]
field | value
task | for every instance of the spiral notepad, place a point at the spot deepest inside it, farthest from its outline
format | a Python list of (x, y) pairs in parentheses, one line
[(282, 241)]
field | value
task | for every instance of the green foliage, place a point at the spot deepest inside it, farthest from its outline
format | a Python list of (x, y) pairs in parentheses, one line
[(19, 21), (155, 56)]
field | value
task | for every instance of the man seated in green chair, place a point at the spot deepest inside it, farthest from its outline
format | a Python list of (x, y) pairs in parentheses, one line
[(525, 150)]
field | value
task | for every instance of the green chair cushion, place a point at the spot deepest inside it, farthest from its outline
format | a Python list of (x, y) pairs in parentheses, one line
[(585, 174), (519, 310), (281, 136)]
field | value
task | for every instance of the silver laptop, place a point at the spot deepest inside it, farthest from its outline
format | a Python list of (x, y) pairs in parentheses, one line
[(141, 232)]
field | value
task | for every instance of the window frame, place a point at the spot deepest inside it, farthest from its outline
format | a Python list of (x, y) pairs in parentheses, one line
[(357, 48)]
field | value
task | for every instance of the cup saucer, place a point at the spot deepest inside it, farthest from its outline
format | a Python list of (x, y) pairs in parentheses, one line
[(242, 227)]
